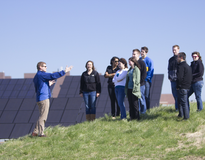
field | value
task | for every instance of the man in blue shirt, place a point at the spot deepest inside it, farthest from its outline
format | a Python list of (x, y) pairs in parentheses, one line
[(150, 72), (42, 82)]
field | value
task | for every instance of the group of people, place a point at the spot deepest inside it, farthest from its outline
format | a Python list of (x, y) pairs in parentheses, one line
[(135, 83), (185, 80)]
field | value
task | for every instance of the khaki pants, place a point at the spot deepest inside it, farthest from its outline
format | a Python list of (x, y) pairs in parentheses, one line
[(43, 107)]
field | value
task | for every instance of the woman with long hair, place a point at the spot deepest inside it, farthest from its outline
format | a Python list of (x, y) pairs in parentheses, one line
[(90, 89), (119, 80), (132, 88), (110, 73), (197, 80)]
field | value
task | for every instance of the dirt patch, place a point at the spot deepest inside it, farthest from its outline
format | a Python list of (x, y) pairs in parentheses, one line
[(193, 139)]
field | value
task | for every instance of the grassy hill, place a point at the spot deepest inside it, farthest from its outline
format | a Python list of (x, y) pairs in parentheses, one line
[(160, 134)]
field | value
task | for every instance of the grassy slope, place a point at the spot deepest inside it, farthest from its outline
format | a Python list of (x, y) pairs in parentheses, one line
[(160, 134)]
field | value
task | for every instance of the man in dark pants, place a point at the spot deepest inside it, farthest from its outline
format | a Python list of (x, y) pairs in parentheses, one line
[(184, 78), (143, 74), (172, 73)]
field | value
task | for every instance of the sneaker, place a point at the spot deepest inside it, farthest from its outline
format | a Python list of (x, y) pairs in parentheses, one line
[(34, 134), (113, 118), (124, 119)]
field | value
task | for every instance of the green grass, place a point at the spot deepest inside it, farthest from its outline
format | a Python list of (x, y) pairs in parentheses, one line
[(160, 134)]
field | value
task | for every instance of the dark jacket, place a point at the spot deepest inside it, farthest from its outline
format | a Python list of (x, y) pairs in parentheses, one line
[(143, 72), (89, 83), (172, 68), (110, 70), (197, 71), (184, 76)]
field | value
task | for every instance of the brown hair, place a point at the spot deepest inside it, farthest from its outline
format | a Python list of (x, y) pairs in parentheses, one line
[(122, 60), (145, 49), (135, 62), (93, 68), (198, 54), (182, 55), (136, 50), (175, 46), (40, 64)]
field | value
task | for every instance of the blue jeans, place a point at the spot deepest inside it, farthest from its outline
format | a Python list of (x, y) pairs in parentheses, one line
[(174, 93), (196, 88), (120, 95), (142, 102), (90, 102), (147, 93), (182, 95)]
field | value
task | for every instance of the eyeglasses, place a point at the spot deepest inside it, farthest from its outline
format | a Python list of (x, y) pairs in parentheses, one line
[(194, 56)]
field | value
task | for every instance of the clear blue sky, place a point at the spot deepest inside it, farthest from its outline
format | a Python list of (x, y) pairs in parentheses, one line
[(68, 32)]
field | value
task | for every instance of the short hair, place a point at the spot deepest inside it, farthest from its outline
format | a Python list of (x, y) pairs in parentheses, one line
[(182, 55), (135, 62), (112, 59), (145, 49), (176, 46), (136, 50), (92, 64), (198, 54), (40, 64), (122, 60)]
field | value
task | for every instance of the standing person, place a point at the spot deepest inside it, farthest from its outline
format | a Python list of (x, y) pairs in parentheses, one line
[(42, 82), (197, 81), (184, 78), (132, 88), (110, 73), (90, 89), (119, 80), (143, 75), (150, 72), (172, 73)]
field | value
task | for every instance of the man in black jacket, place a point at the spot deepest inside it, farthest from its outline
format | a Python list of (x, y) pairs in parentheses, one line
[(143, 71), (172, 73), (184, 78)]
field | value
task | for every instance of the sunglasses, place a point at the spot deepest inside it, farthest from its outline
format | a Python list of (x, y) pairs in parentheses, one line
[(116, 61), (44, 66), (194, 56)]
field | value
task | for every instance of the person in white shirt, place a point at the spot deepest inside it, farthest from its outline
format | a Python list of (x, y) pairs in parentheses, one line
[(119, 80)]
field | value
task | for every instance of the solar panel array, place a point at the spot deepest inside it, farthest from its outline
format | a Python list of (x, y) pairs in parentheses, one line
[(19, 112)]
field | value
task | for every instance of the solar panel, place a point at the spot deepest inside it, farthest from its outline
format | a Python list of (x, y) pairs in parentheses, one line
[(55, 116), (8, 116), (59, 103), (20, 130), (5, 130), (23, 117), (13, 104), (3, 103), (19, 111)]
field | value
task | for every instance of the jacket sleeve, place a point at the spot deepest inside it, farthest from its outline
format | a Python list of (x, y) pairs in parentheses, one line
[(180, 75), (121, 76), (200, 69), (98, 83), (136, 88), (52, 76), (144, 71), (150, 71)]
